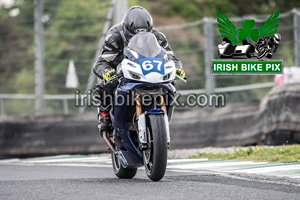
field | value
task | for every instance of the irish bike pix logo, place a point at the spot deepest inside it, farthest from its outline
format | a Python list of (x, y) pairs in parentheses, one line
[(248, 50)]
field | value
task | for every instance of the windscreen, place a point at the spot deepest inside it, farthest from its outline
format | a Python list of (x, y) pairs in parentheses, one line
[(145, 43)]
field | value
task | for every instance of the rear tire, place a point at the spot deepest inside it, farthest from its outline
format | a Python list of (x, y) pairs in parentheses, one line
[(120, 171), (250, 52), (155, 158)]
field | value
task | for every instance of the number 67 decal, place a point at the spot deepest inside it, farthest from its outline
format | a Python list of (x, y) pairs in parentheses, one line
[(149, 65)]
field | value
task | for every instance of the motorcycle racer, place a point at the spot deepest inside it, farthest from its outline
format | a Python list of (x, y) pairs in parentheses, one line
[(136, 19), (271, 42)]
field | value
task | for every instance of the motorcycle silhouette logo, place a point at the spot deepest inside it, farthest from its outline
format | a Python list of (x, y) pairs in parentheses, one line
[(258, 43)]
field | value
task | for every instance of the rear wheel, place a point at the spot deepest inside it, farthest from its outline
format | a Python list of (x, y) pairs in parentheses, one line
[(119, 170), (155, 157), (250, 52)]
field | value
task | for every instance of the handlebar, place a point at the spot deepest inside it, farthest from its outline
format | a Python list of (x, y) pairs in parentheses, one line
[(119, 76)]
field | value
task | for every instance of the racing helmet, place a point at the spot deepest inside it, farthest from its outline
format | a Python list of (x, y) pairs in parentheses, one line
[(136, 19), (277, 38)]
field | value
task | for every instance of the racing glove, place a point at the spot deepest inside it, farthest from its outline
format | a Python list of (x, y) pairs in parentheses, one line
[(180, 73), (108, 74)]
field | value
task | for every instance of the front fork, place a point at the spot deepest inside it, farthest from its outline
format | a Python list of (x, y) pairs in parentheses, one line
[(141, 117)]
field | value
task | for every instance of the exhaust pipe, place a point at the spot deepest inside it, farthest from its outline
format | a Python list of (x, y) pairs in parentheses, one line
[(108, 142)]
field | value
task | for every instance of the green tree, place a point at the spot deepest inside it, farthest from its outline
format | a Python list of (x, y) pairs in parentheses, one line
[(197, 9), (16, 35), (73, 33)]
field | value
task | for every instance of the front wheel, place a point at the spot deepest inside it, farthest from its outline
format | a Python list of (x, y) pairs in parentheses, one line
[(119, 170), (262, 52), (155, 157)]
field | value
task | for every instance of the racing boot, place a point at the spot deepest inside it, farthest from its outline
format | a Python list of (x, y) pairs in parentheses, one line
[(104, 122), (104, 97)]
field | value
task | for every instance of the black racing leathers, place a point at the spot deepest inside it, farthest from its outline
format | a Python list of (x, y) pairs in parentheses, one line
[(112, 55), (112, 49)]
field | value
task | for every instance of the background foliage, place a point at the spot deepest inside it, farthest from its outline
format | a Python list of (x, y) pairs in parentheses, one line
[(73, 29)]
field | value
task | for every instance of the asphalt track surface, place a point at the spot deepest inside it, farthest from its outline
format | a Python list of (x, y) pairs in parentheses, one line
[(98, 182)]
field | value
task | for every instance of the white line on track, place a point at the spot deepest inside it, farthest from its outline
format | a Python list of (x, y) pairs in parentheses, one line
[(89, 159), (214, 164), (237, 177), (271, 169), (10, 160), (186, 160), (187, 165)]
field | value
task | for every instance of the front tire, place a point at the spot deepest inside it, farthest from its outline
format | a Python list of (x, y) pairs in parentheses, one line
[(269, 55), (262, 52), (120, 171), (155, 157)]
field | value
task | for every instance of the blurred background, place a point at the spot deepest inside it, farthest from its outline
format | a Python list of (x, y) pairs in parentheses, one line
[(71, 31), (48, 49)]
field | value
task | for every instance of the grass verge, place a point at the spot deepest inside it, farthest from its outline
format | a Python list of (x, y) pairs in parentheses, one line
[(282, 154)]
